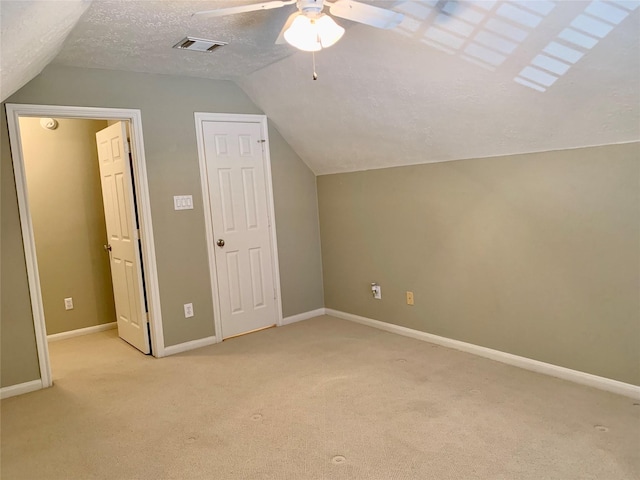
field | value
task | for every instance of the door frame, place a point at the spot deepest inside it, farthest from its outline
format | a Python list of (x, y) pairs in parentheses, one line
[(200, 118), (14, 111)]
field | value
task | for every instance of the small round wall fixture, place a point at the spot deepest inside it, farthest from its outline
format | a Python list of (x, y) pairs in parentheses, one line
[(49, 123)]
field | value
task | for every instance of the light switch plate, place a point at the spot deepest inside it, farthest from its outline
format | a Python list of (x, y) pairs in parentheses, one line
[(183, 202)]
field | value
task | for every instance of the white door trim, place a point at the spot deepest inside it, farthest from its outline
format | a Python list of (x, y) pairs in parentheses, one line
[(14, 111), (201, 117)]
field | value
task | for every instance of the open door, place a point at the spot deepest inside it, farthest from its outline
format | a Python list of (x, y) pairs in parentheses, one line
[(122, 235)]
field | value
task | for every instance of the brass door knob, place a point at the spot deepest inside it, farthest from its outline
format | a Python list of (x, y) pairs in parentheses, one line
[(220, 242)]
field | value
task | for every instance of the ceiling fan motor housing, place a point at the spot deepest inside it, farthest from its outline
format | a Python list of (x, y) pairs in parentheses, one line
[(310, 8)]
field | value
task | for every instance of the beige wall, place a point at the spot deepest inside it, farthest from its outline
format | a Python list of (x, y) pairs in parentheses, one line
[(167, 104), (18, 353), (296, 203), (65, 200), (536, 255)]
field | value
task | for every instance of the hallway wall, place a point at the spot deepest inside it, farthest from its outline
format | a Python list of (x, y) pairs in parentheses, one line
[(65, 200)]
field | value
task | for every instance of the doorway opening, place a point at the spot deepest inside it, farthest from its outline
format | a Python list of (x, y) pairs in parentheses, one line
[(86, 225)]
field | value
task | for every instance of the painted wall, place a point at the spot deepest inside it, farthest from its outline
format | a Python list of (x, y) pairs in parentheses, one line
[(65, 199), (18, 352), (167, 104), (296, 203), (535, 255)]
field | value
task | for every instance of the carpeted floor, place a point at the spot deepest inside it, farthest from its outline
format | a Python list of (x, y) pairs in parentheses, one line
[(320, 399)]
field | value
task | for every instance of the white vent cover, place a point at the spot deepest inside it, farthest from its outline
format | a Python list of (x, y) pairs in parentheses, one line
[(198, 44)]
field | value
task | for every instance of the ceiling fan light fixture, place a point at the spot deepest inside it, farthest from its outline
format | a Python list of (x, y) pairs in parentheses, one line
[(311, 34)]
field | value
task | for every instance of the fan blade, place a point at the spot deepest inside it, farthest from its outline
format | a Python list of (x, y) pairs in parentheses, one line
[(221, 12), (287, 24), (367, 14)]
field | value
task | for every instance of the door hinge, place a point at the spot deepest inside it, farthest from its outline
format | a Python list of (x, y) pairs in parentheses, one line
[(127, 147)]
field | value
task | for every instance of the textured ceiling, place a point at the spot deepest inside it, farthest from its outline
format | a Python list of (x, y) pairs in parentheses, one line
[(32, 34), (384, 98), (454, 80), (138, 36)]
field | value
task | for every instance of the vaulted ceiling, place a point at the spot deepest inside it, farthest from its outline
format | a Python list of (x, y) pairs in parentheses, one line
[(455, 80)]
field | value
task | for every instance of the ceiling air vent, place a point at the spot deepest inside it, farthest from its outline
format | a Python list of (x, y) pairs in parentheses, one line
[(198, 44)]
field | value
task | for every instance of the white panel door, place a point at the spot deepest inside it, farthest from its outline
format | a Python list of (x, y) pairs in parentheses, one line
[(122, 234), (238, 198)]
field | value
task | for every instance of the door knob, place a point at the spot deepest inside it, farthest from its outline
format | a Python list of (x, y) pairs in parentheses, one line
[(220, 242), (107, 247)]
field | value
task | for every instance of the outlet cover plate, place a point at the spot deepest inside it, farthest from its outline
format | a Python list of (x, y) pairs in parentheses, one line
[(409, 298), (377, 292), (68, 303)]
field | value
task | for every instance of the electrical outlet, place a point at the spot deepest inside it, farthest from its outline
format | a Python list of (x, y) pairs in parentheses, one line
[(188, 310), (68, 303), (409, 298)]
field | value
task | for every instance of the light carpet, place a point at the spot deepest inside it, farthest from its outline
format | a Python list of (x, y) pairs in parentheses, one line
[(320, 399)]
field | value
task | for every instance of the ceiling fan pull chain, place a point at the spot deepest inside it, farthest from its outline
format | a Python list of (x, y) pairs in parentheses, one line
[(313, 59)]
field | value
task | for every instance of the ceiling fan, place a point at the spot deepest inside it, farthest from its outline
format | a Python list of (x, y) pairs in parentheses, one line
[(309, 29)]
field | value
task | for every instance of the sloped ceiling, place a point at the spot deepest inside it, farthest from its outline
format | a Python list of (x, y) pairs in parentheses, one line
[(138, 36), (454, 80), (389, 98), (32, 35)]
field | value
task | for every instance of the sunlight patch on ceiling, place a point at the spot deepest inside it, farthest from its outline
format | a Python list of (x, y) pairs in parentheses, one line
[(484, 33), (487, 32), (583, 33)]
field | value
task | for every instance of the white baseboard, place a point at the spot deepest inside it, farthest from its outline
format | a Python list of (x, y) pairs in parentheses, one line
[(19, 389), (192, 345), (81, 331), (303, 316), (576, 376), (203, 342)]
